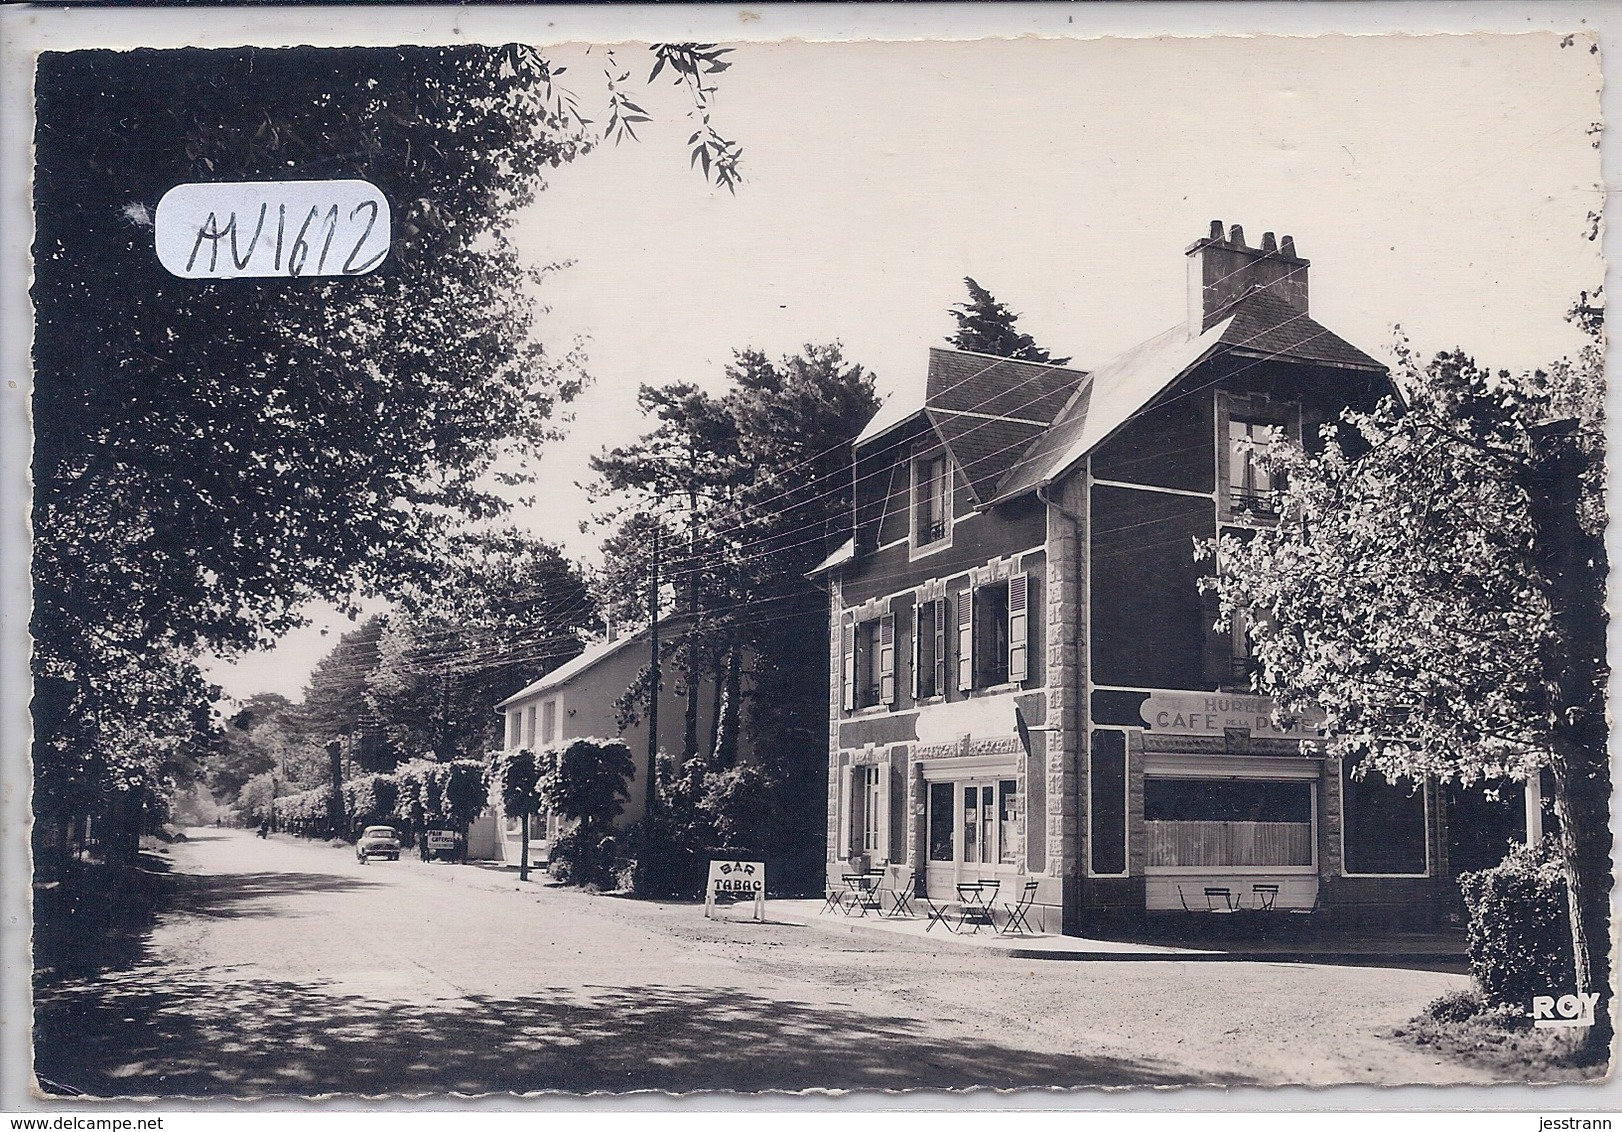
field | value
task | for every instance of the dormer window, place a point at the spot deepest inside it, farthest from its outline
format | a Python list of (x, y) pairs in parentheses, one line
[(931, 501)]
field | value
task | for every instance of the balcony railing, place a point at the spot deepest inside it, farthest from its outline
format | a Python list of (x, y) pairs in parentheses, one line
[(1259, 504), (931, 531)]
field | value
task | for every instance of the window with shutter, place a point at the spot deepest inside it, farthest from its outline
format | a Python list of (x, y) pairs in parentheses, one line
[(920, 620), (965, 641), (887, 659), (1018, 627), (848, 649), (938, 688)]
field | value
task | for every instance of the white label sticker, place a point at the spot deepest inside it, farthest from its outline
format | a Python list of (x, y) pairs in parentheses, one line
[(262, 229)]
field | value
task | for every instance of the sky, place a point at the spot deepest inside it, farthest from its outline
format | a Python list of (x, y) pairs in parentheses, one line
[(1440, 183)]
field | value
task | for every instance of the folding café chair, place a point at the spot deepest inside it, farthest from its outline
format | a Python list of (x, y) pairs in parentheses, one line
[(977, 905), (1265, 896), (1212, 895), (1018, 909), (938, 913), (833, 900), (901, 893)]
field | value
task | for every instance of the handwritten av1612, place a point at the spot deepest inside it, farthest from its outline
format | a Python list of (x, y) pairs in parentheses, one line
[(265, 229)]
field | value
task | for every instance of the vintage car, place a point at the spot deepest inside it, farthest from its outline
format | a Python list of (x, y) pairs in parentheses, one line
[(378, 841)]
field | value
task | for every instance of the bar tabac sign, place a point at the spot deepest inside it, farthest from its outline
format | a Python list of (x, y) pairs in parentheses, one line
[(1222, 713), (736, 882)]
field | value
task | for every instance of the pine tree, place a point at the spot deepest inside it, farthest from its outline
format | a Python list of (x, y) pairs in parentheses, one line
[(986, 326)]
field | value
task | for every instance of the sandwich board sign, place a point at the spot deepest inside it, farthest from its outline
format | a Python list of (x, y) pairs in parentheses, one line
[(733, 881)]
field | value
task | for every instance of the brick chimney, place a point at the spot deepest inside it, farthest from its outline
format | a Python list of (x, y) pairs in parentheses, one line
[(1221, 270)]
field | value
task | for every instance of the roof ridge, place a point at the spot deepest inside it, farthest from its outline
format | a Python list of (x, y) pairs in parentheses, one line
[(1006, 358)]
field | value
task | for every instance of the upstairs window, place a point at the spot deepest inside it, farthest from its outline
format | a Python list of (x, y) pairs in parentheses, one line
[(931, 500), (929, 649), (869, 664), (1251, 489), (991, 635), (993, 626)]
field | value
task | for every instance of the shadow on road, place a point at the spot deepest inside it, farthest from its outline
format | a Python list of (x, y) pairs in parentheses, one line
[(148, 1032), (252, 894)]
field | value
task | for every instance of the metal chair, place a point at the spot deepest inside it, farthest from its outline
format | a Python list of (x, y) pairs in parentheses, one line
[(833, 900), (937, 913), (1017, 911), (1212, 895), (862, 895), (1265, 896), (901, 893), (976, 905)]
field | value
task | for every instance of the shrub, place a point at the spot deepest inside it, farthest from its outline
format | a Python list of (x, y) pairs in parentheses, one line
[(584, 860), (1519, 939), (370, 800), (1455, 1006)]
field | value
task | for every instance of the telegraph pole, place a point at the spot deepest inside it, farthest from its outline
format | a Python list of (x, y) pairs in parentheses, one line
[(651, 796)]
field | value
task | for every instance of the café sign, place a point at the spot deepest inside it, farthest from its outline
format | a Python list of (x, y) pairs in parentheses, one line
[(1222, 713)]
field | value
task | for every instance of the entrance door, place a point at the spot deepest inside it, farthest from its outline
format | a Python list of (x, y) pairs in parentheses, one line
[(974, 832)]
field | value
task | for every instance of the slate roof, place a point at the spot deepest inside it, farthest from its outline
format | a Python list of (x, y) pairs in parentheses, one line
[(1117, 390), (593, 656), (1015, 426), (986, 410), (1257, 326), (1265, 326)]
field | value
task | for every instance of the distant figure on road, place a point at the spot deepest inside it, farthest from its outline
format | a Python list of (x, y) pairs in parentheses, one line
[(264, 828), (216, 821)]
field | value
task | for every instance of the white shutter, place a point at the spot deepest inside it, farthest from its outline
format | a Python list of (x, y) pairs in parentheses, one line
[(1018, 627), (842, 826), (940, 646), (882, 842), (917, 645), (965, 641), (848, 647), (887, 659)]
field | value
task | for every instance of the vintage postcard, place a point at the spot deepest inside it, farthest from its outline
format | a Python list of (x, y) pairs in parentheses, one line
[(669, 562)]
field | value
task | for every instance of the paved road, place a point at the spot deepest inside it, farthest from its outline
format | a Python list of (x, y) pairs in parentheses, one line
[(288, 968)]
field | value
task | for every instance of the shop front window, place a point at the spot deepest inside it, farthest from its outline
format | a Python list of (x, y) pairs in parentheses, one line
[(1198, 822), (1008, 822), (940, 821)]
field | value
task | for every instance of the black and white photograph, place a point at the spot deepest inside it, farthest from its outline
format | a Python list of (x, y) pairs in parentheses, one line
[(760, 564)]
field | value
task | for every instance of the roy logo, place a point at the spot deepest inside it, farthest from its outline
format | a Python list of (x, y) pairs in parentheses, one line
[(1567, 1010)]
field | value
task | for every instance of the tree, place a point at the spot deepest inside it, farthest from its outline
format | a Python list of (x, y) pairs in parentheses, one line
[(690, 456), (210, 455), (1435, 586), (588, 781), (770, 498), (986, 326), (503, 610), (517, 776)]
